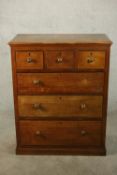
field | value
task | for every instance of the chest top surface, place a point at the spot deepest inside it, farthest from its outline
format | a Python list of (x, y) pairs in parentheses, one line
[(60, 39)]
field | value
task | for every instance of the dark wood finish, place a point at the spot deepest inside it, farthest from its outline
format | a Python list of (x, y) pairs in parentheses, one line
[(82, 150), (46, 83), (67, 133), (74, 90)]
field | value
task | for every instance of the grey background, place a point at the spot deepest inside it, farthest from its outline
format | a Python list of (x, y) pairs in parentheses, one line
[(54, 16)]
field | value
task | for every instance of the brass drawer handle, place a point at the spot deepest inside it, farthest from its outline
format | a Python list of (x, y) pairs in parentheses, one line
[(59, 60), (29, 60), (83, 132), (83, 106), (38, 133), (37, 82), (90, 60), (37, 106)]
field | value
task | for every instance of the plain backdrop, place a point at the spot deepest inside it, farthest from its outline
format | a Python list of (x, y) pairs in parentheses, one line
[(55, 16)]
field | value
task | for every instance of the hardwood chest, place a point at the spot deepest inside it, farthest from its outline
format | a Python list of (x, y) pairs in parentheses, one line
[(60, 87)]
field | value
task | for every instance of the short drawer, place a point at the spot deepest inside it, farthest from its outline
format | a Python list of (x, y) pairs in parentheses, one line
[(91, 60), (56, 60), (60, 106), (49, 83), (29, 60), (65, 133)]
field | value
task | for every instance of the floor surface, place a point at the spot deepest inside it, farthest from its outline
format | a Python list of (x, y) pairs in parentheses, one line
[(11, 164)]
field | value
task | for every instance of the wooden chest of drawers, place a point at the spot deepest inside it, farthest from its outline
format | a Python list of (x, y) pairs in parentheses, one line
[(60, 87)]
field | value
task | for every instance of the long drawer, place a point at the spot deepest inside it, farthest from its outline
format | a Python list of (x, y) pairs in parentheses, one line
[(66, 133), (60, 106), (50, 83)]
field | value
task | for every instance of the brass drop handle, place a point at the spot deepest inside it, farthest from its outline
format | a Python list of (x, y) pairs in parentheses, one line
[(83, 106), (83, 132), (29, 60), (59, 60), (90, 60), (37, 106), (37, 82), (38, 133)]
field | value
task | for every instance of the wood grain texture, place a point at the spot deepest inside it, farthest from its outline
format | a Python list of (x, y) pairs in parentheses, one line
[(29, 60), (51, 83), (60, 59), (60, 106), (82, 76), (60, 38), (67, 133), (91, 60)]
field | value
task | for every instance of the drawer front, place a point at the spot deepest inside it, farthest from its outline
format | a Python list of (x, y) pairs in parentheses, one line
[(59, 60), (46, 83), (29, 60), (91, 60), (64, 133), (60, 106)]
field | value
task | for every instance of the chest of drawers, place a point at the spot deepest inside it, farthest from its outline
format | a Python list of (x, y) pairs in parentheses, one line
[(60, 87)]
